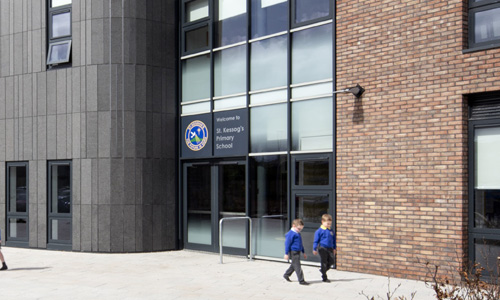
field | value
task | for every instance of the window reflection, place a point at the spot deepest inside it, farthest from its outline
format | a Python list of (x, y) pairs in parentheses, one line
[(230, 71), (199, 205), (487, 209), (268, 128), (196, 78), (17, 189), (312, 124), (487, 25), (312, 172), (312, 54), (232, 22), (307, 10), (268, 63), (487, 252), (59, 52), (60, 189), (268, 197), (268, 17), (310, 208), (61, 25)]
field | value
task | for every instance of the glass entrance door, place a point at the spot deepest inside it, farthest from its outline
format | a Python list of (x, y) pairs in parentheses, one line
[(213, 191)]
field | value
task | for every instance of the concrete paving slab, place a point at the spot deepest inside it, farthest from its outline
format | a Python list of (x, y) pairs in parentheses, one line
[(44, 274)]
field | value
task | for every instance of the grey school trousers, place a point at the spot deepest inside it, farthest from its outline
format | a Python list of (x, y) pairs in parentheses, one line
[(295, 266)]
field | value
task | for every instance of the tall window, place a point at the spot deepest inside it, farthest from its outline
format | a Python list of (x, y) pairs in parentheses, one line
[(59, 204), (484, 23), (59, 32), (17, 203), (484, 182)]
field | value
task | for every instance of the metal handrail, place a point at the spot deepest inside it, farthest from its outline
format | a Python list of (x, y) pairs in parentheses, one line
[(220, 234)]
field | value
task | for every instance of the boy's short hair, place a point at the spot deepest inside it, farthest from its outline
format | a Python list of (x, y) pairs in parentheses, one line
[(326, 217), (298, 222)]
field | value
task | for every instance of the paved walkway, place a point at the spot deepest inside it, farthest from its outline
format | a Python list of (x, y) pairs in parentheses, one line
[(44, 274)]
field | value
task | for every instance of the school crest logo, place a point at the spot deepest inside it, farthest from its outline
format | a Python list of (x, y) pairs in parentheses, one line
[(196, 136)]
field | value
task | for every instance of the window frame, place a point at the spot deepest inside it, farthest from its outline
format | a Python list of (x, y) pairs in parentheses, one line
[(293, 10), (51, 41), (478, 122), (49, 53), (52, 243), (21, 242), (474, 7)]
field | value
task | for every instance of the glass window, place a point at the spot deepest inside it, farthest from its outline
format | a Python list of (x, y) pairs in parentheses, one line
[(310, 208), (487, 252), (268, 63), (59, 204), (197, 39), (199, 210), (307, 10), (17, 193), (487, 147), (312, 172), (18, 228), (232, 22), (312, 54), (268, 17), (487, 178), (312, 125), (196, 10), (60, 230), (268, 128), (487, 25), (268, 197), (59, 37), (61, 24), (230, 71), (56, 3), (59, 52), (18, 189), (196, 78), (60, 189)]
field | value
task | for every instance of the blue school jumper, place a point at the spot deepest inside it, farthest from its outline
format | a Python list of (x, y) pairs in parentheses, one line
[(324, 237)]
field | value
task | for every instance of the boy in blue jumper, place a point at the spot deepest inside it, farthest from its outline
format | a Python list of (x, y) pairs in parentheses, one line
[(325, 244), (4, 266), (293, 249)]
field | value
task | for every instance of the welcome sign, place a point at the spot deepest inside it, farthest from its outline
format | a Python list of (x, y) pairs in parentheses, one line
[(231, 133)]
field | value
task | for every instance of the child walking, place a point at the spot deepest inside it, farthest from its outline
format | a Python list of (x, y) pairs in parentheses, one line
[(4, 266), (325, 244), (293, 249)]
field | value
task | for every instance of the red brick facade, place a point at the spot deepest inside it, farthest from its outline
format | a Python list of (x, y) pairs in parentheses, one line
[(402, 148)]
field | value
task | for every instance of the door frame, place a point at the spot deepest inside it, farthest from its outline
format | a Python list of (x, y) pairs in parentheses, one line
[(214, 205), (12, 241)]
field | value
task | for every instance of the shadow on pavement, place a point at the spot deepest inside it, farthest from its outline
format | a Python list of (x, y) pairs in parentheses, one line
[(27, 269)]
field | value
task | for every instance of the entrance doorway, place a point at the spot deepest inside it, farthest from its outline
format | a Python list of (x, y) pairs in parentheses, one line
[(212, 191)]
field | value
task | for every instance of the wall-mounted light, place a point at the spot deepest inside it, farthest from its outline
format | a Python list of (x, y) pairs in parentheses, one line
[(357, 91)]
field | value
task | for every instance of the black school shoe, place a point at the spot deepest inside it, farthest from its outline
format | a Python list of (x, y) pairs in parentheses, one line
[(326, 280), (304, 283), (4, 267), (287, 278)]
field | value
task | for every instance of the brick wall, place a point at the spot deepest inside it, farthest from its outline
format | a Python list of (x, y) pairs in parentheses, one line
[(402, 148)]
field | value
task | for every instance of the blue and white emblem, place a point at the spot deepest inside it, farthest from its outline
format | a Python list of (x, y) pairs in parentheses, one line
[(196, 136)]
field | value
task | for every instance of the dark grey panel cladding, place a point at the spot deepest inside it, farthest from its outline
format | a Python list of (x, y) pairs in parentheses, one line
[(112, 112)]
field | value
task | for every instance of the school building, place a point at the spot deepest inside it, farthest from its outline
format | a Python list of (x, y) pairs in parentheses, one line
[(138, 125)]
